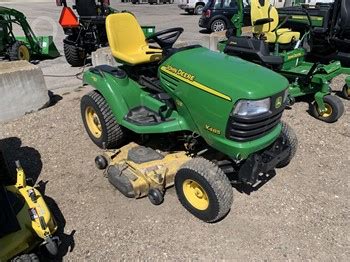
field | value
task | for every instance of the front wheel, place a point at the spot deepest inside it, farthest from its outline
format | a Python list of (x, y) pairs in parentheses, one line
[(19, 51), (100, 122), (203, 189), (346, 92), (291, 140), (218, 25), (334, 109)]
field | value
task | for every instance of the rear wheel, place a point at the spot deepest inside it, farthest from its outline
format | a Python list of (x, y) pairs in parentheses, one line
[(292, 141), (26, 258), (346, 92), (334, 109), (204, 190), (19, 51), (75, 56), (198, 9), (100, 122), (218, 25)]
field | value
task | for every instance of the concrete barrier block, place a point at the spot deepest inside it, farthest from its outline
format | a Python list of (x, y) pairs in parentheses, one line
[(22, 89), (215, 38)]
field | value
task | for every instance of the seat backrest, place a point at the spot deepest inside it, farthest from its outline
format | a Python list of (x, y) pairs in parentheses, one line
[(345, 15), (86, 7), (124, 33), (261, 9)]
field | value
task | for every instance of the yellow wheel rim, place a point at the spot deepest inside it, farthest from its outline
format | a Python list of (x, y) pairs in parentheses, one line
[(23, 53), (93, 122), (195, 194), (328, 112)]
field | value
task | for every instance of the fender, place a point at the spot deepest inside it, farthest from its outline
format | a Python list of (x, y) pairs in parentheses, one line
[(122, 94), (103, 84)]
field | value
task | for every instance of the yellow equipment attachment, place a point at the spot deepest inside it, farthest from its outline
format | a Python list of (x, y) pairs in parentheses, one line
[(138, 171), (31, 225)]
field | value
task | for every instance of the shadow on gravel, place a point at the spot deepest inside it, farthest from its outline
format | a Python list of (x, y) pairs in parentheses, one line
[(54, 98), (29, 158), (204, 31), (67, 240)]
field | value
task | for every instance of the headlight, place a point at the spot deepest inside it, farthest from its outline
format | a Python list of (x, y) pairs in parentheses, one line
[(252, 107)]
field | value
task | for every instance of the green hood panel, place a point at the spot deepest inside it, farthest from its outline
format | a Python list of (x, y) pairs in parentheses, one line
[(236, 78)]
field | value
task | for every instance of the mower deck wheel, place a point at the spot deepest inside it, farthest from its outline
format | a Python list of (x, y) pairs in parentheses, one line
[(26, 258), (19, 51), (292, 142), (155, 196), (100, 122), (204, 190), (346, 92), (334, 109)]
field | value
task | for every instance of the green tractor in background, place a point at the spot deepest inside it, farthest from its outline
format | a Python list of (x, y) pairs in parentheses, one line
[(22, 47), (200, 115), (280, 49), (330, 32)]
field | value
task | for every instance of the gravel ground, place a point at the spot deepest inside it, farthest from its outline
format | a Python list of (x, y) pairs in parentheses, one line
[(300, 213)]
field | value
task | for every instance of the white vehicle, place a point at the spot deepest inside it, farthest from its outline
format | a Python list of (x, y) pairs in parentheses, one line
[(192, 6)]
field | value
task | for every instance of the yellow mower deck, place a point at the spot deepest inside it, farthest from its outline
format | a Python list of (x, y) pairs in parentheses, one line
[(136, 174)]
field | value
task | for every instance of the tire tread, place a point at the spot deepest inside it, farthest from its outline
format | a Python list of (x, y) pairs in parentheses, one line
[(217, 180)]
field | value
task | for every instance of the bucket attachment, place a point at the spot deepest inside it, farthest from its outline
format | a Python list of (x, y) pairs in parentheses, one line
[(47, 46), (138, 171)]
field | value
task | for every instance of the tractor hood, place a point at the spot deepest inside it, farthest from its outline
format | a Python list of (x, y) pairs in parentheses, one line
[(223, 75)]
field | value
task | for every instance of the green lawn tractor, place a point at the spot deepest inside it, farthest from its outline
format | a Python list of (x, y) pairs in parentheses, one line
[(330, 29), (205, 112), (24, 47), (305, 78), (25, 220)]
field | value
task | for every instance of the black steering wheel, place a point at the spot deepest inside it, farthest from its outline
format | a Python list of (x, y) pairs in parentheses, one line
[(166, 38)]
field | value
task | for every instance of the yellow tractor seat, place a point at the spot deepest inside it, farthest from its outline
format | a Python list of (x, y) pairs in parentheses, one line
[(127, 40), (263, 10), (282, 36)]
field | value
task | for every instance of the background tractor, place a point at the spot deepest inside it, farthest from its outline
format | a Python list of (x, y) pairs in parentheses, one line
[(22, 47), (189, 123), (279, 48), (86, 32), (330, 35)]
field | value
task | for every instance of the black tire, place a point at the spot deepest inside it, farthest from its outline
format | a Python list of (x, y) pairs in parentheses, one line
[(109, 134), (198, 10), (74, 55), (26, 258), (216, 190), (19, 51), (345, 92), (218, 25), (292, 142), (335, 109)]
